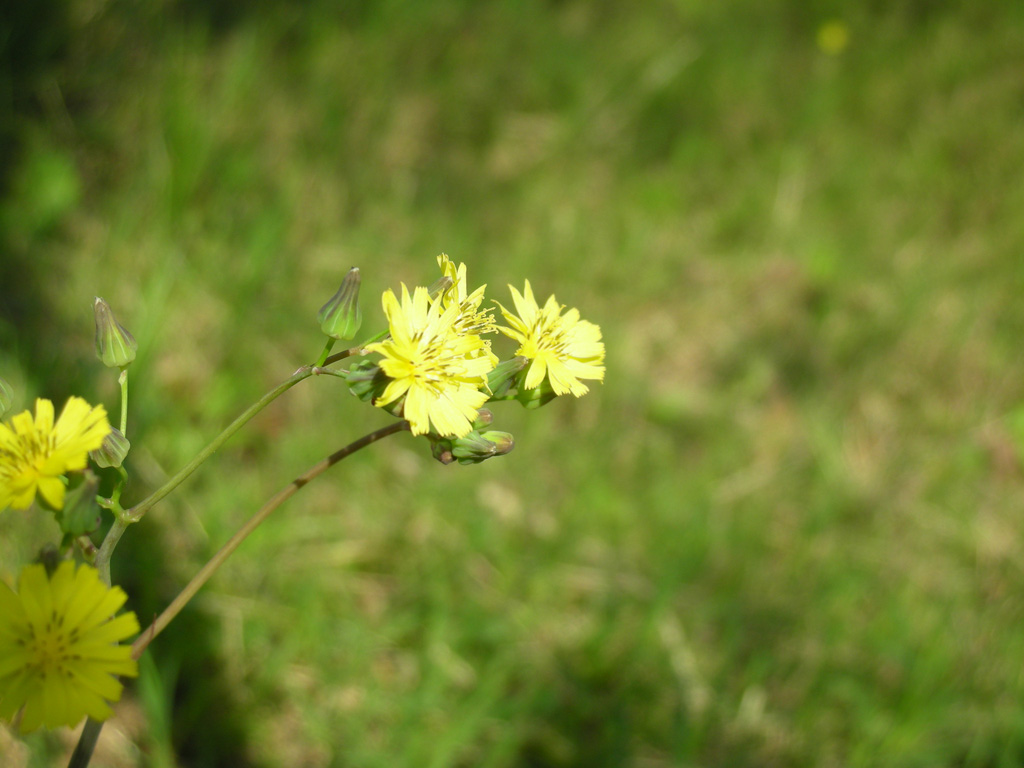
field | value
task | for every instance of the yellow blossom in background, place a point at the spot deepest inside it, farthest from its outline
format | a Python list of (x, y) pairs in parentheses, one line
[(439, 370), (833, 37), (562, 348), (59, 652), (36, 453)]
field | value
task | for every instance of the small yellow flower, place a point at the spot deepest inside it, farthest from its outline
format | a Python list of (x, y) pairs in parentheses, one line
[(59, 652), (833, 37), (35, 454), (562, 348), (438, 369)]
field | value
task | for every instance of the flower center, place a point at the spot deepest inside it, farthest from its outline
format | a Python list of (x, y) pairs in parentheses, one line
[(26, 457), (48, 648), (547, 339)]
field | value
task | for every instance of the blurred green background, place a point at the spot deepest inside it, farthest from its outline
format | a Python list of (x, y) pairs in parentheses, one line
[(786, 531)]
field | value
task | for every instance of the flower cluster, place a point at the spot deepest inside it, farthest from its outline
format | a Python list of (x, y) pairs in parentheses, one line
[(437, 369)]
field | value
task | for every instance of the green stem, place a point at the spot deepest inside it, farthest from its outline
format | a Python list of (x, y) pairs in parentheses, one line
[(102, 562), (342, 355), (323, 355), (123, 381), (86, 744), (204, 574), (90, 734), (135, 514)]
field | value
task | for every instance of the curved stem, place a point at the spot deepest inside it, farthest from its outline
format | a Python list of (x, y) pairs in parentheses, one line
[(204, 574), (113, 536), (135, 513), (87, 741)]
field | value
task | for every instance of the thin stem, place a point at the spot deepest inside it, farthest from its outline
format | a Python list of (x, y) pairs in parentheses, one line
[(323, 355), (90, 734), (123, 381), (340, 356), (113, 536), (135, 514), (253, 523), (86, 744)]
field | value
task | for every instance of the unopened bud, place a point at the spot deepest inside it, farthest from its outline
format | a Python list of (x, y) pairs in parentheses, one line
[(115, 346), (442, 450), (6, 397), (341, 317), (503, 377), (476, 447), (49, 558), (536, 397), (113, 450), (484, 418), (503, 441)]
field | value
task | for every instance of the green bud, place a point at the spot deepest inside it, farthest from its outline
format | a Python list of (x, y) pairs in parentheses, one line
[(484, 418), (441, 449), (81, 514), (115, 346), (341, 317), (476, 447), (503, 441), (49, 558), (6, 397), (472, 446), (536, 397), (113, 451), (502, 379)]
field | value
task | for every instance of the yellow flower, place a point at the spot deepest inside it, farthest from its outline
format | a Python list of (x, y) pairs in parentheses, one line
[(34, 454), (439, 369), (833, 37), (562, 348), (59, 652)]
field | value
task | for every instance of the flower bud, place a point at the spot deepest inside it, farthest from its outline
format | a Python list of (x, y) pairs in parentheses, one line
[(441, 449), (503, 377), (503, 441), (113, 451), (49, 557), (484, 418), (536, 397), (6, 397), (476, 447), (115, 346), (341, 317)]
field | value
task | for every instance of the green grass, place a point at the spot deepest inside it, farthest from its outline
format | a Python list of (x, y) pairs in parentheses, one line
[(785, 531)]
